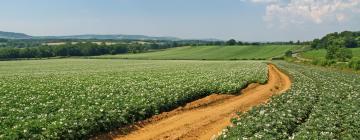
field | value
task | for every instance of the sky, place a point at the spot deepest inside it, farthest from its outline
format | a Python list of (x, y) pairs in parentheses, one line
[(246, 20)]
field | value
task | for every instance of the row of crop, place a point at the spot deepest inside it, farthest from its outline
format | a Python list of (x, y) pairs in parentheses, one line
[(336, 115), (279, 119), (72, 99), (320, 105)]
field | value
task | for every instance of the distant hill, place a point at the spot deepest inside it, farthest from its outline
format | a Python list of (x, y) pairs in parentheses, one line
[(12, 35), (114, 37)]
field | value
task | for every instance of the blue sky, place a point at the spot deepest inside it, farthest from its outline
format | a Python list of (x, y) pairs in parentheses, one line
[(248, 20)]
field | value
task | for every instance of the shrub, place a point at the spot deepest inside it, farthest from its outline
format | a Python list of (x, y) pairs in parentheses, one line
[(288, 53), (315, 61), (354, 64), (327, 62)]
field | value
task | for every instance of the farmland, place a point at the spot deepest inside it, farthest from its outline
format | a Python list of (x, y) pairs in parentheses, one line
[(320, 54), (321, 104), (212, 53), (75, 98), (180, 70)]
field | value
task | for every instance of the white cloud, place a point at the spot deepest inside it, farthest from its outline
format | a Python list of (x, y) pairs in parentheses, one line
[(285, 12)]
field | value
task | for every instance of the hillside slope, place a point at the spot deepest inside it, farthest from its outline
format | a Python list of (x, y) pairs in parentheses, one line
[(12, 35), (321, 53), (212, 53)]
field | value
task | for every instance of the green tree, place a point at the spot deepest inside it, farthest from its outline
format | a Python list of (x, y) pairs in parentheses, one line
[(9, 53), (331, 52), (28, 53), (231, 42), (3, 40), (343, 54), (288, 53), (337, 50), (350, 42), (315, 44)]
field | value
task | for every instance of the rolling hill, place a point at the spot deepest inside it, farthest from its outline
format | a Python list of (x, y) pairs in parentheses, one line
[(321, 53), (12, 35), (113, 37), (211, 53)]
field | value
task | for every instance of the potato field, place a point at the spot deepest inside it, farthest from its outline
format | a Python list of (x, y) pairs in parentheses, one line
[(75, 98), (321, 104)]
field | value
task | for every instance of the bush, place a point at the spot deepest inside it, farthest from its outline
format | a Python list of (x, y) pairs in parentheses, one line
[(278, 58), (231, 42), (327, 62), (354, 64), (315, 61), (288, 53), (323, 62)]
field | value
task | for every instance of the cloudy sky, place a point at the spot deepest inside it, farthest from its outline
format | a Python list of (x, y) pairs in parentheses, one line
[(248, 20)]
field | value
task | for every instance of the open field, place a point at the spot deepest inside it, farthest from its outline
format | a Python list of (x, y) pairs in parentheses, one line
[(207, 116), (321, 104), (212, 53), (75, 98), (78, 98), (320, 54)]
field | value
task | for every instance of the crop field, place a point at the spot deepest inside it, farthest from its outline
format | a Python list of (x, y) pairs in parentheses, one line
[(75, 98), (321, 104), (212, 53), (320, 54)]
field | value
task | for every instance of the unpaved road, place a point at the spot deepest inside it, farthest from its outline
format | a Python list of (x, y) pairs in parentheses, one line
[(205, 118)]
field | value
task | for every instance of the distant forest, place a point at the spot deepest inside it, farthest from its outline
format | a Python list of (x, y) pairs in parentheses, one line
[(38, 48), (10, 49)]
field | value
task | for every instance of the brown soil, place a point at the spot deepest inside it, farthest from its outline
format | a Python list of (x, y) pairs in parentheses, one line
[(203, 119)]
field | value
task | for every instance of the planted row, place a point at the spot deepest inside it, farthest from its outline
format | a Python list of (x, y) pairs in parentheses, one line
[(321, 104), (75, 98)]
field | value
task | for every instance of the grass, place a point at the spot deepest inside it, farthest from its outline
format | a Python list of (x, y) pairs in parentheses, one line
[(321, 53), (212, 53)]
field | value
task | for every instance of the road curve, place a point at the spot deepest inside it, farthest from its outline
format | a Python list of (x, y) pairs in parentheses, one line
[(206, 121)]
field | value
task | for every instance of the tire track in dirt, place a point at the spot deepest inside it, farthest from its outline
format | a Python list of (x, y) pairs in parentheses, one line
[(205, 118)]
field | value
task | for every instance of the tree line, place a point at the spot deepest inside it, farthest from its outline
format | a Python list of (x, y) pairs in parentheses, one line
[(337, 44), (79, 49), (233, 42)]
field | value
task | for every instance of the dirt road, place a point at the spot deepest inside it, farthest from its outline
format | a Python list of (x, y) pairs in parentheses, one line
[(205, 118)]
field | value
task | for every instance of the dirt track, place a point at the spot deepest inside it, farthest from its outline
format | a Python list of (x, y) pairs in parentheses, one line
[(205, 118)]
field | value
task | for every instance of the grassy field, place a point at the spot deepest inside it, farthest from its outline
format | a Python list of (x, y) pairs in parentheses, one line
[(320, 54), (321, 104), (73, 98), (212, 53)]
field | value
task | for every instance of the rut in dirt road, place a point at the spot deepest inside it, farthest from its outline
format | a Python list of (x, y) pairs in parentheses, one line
[(206, 121)]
